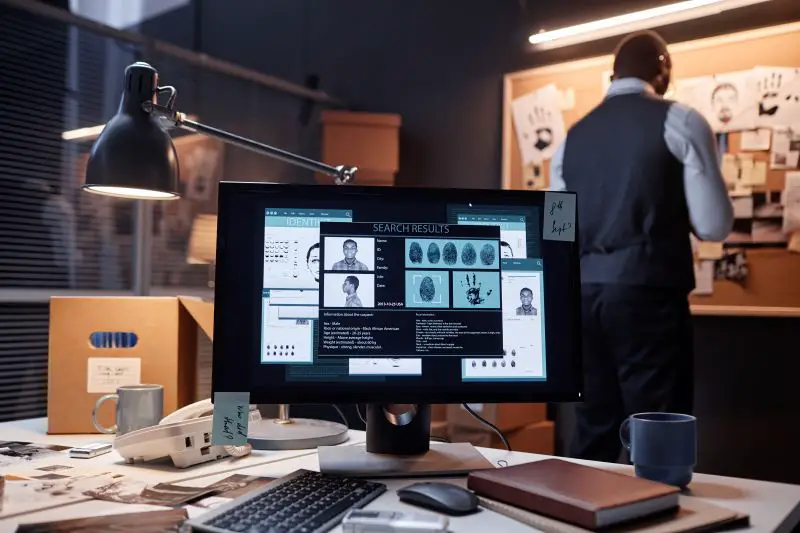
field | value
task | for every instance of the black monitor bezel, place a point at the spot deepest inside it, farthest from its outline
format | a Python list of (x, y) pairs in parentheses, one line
[(226, 377)]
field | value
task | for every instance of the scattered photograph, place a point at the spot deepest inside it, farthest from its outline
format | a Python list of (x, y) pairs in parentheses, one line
[(349, 254), (349, 290), (232, 487), (146, 522), (16, 452), (127, 490)]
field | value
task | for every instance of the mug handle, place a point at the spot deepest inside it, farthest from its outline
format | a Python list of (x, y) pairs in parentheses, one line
[(625, 434), (102, 429)]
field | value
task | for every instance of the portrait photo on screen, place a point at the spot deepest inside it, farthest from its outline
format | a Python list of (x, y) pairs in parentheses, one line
[(349, 254), (521, 294), (351, 289)]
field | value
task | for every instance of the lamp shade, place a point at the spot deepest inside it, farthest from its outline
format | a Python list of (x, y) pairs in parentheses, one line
[(134, 156)]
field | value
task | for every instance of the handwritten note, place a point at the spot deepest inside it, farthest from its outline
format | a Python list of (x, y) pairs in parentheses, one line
[(231, 414), (105, 374), (559, 217)]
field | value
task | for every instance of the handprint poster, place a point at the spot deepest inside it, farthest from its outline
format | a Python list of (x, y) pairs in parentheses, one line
[(778, 96), (539, 124)]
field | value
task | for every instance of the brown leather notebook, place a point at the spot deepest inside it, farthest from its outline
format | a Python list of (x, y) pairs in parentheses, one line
[(588, 497)]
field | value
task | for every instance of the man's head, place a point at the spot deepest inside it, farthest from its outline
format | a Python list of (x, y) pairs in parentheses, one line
[(505, 250), (526, 297), (312, 260), (349, 247), (644, 55), (350, 285), (724, 100)]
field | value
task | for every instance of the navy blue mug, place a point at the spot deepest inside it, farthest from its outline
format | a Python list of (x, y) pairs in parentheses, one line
[(662, 446)]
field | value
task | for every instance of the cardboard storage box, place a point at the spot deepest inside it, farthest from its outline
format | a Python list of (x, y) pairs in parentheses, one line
[(538, 437), (92, 350), (507, 416), (369, 141)]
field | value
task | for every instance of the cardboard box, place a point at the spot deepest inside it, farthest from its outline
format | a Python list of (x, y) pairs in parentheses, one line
[(538, 437), (92, 350), (369, 141), (506, 416), (533, 438)]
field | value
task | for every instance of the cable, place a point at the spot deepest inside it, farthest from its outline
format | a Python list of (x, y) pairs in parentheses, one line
[(341, 414), (358, 410), (488, 424)]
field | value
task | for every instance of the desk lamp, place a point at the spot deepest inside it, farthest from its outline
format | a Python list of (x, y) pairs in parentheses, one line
[(134, 157)]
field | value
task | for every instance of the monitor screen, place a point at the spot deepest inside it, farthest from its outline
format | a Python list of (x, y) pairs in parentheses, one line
[(352, 294)]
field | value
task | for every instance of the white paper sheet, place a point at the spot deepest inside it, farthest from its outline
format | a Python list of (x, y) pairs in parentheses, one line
[(785, 150), (539, 124), (727, 101), (791, 203), (778, 93), (755, 140), (703, 278)]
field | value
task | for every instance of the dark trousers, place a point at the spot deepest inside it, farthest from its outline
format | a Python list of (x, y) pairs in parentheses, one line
[(637, 357)]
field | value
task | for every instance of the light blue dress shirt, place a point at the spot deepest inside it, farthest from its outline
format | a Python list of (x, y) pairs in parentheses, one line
[(691, 140)]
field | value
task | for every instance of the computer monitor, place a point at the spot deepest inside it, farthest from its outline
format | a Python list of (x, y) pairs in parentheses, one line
[(387, 295)]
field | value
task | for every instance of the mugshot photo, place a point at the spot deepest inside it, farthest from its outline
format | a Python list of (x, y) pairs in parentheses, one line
[(349, 290), (349, 254), (521, 295)]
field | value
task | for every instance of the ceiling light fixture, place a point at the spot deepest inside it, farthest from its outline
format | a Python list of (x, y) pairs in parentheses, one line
[(636, 21)]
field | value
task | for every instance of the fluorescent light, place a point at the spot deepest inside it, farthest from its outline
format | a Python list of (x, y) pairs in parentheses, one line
[(130, 192), (638, 20)]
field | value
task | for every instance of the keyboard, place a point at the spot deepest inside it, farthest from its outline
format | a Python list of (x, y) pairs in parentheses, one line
[(302, 502)]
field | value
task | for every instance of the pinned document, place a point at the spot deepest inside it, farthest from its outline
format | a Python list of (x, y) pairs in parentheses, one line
[(231, 416), (755, 140), (559, 217)]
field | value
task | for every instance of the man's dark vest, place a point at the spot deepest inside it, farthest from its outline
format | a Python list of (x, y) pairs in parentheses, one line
[(634, 222)]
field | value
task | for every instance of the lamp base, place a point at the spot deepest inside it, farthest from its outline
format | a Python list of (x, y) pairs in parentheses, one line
[(295, 434)]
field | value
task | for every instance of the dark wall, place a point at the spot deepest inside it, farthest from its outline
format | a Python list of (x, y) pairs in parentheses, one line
[(438, 64)]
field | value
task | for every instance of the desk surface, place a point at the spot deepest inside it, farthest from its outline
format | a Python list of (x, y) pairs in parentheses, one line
[(745, 311), (771, 506)]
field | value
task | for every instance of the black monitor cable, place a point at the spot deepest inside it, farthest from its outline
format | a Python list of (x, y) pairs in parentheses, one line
[(341, 415), (489, 425)]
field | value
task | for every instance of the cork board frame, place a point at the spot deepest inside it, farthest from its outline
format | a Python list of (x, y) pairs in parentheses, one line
[(774, 278)]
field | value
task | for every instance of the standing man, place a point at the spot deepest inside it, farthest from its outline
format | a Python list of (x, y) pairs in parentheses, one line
[(646, 172), (349, 250)]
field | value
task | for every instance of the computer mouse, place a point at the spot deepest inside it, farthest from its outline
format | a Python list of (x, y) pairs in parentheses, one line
[(442, 497)]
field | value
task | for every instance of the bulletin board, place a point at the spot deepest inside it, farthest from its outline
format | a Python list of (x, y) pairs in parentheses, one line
[(774, 273)]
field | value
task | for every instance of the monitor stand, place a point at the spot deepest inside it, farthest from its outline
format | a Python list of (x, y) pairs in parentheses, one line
[(398, 445)]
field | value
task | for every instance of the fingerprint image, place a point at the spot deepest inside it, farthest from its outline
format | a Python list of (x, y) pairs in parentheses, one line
[(468, 254), (450, 253), (427, 290), (487, 254), (415, 253), (434, 253)]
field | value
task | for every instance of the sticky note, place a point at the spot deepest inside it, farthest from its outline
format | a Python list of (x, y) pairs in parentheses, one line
[(559, 217), (709, 250), (231, 414)]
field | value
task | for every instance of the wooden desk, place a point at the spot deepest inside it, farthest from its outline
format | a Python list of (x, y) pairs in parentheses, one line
[(771, 506)]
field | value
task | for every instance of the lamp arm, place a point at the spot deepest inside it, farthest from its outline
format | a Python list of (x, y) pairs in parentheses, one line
[(342, 174)]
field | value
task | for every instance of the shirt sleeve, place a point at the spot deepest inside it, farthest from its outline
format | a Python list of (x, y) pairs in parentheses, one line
[(689, 137), (557, 182)]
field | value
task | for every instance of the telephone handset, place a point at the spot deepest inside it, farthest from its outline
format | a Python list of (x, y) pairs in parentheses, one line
[(184, 436)]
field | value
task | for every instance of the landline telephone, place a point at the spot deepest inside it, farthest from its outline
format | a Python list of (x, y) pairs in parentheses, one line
[(184, 436)]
